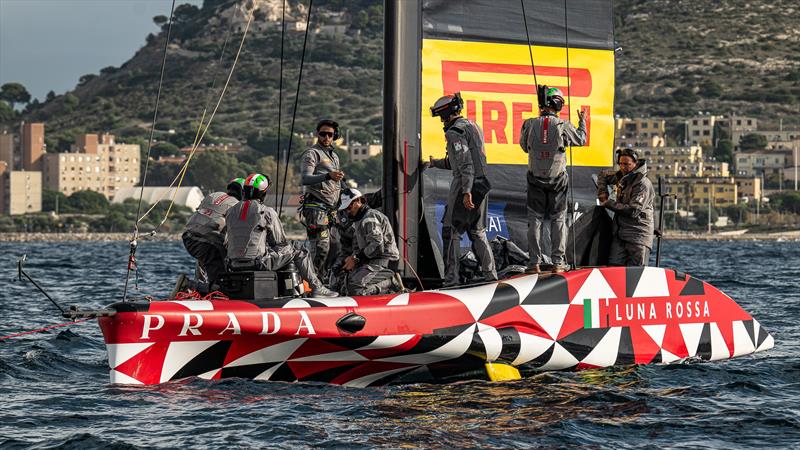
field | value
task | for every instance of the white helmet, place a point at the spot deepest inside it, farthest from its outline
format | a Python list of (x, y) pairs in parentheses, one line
[(348, 195)]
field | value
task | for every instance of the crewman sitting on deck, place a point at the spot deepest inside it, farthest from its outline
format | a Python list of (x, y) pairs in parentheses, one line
[(204, 236), (374, 248), (256, 240)]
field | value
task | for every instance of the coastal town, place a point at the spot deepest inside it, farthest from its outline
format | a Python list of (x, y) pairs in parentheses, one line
[(720, 172)]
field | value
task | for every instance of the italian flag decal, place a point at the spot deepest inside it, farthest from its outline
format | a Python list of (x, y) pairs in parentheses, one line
[(591, 314)]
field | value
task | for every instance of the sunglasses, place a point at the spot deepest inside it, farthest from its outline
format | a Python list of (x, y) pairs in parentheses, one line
[(325, 134)]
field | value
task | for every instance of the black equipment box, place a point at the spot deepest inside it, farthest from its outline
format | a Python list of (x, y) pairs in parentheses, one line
[(258, 285)]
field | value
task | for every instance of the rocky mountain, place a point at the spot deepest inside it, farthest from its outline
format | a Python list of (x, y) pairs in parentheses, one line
[(678, 57)]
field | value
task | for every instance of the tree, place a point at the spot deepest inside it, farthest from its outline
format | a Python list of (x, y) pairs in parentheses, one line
[(70, 102), (7, 113), (213, 170), (49, 199), (710, 89), (50, 96), (724, 151), (89, 202), (14, 93), (160, 20), (164, 149), (752, 142)]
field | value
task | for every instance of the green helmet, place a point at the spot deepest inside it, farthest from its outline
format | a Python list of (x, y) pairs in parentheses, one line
[(255, 186)]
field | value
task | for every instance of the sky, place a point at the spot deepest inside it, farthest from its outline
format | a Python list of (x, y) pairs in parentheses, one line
[(49, 44)]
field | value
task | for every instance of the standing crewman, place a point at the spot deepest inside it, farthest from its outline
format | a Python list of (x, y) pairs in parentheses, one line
[(256, 240), (374, 248), (321, 177), (633, 209), (545, 139), (467, 207), (204, 235)]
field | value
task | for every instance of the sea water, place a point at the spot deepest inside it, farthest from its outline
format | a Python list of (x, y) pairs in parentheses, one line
[(54, 389)]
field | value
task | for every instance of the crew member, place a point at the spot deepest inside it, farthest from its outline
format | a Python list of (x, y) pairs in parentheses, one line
[(466, 202), (374, 248), (322, 180), (633, 209), (545, 139), (204, 236), (256, 240)]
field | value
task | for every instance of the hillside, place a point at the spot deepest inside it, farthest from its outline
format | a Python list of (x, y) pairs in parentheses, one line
[(680, 57), (677, 58)]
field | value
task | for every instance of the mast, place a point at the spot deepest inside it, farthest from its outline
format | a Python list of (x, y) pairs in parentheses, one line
[(401, 125)]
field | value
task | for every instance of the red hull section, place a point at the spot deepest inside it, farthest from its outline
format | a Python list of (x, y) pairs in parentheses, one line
[(586, 318)]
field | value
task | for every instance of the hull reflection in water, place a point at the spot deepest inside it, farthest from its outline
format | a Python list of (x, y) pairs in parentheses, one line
[(583, 319)]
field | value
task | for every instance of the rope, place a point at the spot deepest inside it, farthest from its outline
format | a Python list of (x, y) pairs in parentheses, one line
[(43, 329), (415, 274), (530, 50), (182, 172), (280, 104), (294, 111), (569, 116), (149, 148)]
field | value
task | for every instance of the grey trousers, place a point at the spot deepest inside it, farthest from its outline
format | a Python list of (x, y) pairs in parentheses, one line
[(319, 239), (626, 254), (210, 259), (369, 279), (451, 240), (546, 202)]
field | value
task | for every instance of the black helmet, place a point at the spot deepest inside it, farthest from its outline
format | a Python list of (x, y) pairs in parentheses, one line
[(550, 97), (235, 188), (447, 105), (330, 123), (629, 152)]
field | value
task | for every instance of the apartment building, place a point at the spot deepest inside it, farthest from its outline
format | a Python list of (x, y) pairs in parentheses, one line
[(700, 129), (98, 163), (360, 152), (681, 162), (756, 162), (694, 192), (641, 132), (749, 188), (20, 191)]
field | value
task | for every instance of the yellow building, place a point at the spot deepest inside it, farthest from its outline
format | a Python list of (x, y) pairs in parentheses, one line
[(694, 192), (360, 152), (749, 187), (99, 164)]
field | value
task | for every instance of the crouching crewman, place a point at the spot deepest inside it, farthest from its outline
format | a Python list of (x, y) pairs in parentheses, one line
[(204, 237), (256, 240), (374, 248)]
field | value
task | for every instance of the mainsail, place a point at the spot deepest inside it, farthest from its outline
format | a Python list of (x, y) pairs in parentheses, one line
[(480, 48)]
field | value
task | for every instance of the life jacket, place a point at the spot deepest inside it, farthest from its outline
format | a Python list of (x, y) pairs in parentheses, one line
[(246, 232), (323, 195), (546, 156), (209, 218)]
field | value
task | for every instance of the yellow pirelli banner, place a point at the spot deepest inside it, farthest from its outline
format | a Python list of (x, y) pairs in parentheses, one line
[(496, 82)]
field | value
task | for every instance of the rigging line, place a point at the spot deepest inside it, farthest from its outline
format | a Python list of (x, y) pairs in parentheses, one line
[(183, 170), (216, 107), (569, 116), (530, 50), (280, 104), (294, 111), (149, 148)]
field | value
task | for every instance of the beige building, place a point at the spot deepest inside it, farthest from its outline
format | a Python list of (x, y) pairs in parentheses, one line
[(700, 129), (20, 192), (749, 187), (642, 132), (360, 152), (694, 192), (681, 162), (738, 126), (99, 164), (756, 162)]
